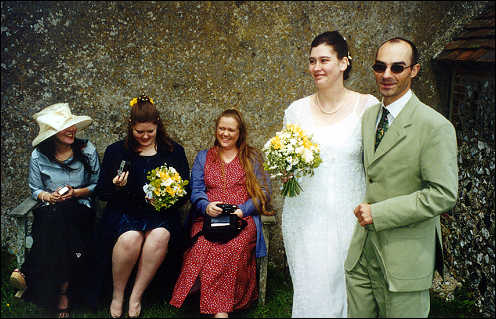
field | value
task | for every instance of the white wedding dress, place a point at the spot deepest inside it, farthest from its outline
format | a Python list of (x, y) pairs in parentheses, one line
[(318, 224)]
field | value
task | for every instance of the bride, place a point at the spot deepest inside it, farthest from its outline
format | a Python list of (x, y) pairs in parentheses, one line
[(317, 225)]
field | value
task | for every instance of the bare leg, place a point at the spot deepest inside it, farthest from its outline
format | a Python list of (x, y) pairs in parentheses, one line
[(124, 256), (152, 255), (63, 306), (221, 315)]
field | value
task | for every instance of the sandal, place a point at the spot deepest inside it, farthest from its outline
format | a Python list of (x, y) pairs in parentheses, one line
[(137, 313), (18, 280), (63, 312)]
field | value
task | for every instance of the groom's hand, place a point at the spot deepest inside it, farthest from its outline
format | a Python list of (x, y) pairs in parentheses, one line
[(364, 214)]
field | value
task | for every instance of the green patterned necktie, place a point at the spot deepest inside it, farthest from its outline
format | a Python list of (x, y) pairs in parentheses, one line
[(382, 127)]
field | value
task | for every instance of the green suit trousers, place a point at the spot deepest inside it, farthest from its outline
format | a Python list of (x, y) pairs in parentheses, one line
[(368, 295)]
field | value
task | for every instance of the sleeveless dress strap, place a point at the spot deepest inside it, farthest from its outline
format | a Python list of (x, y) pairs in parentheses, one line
[(356, 105)]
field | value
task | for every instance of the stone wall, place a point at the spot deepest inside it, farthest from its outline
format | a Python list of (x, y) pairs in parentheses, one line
[(469, 229), (195, 59)]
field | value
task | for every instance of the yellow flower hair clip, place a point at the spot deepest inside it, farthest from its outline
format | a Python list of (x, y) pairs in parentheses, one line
[(133, 102), (141, 98)]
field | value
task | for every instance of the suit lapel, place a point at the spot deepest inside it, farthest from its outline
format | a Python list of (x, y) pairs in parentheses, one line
[(369, 133), (398, 130)]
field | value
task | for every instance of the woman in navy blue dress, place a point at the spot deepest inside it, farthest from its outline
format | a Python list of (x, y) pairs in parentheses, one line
[(142, 236)]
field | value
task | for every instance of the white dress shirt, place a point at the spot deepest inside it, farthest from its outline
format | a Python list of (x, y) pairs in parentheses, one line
[(394, 108)]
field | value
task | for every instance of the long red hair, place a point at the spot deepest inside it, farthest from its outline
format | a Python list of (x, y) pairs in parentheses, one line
[(248, 156)]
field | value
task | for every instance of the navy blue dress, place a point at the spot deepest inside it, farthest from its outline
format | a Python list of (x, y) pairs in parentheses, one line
[(127, 208), (140, 215)]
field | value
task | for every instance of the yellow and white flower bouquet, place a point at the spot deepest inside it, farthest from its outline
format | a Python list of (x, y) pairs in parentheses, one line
[(165, 188), (291, 154)]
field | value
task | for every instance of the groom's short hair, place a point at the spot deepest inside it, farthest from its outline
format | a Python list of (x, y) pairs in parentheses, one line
[(415, 53)]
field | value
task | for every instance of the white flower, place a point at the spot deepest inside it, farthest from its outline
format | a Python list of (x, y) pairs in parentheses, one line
[(167, 182), (307, 156), (267, 146), (148, 189)]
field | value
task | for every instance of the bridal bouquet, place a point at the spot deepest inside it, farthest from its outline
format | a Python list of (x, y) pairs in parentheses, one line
[(165, 188), (291, 154)]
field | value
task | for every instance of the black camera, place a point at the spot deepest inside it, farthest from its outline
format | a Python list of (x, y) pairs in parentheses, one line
[(227, 208)]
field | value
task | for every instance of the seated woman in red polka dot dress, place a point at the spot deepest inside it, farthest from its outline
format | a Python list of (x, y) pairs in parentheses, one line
[(229, 172)]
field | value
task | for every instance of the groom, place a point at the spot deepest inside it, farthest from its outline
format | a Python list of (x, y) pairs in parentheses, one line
[(410, 159)]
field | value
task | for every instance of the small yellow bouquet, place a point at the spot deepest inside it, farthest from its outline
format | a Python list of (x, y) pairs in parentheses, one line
[(291, 154), (165, 188)]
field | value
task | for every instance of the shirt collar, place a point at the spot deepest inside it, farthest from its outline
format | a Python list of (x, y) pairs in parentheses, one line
[(396, 107)]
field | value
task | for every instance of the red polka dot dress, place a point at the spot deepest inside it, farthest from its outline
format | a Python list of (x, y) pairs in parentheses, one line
[(227, 272)]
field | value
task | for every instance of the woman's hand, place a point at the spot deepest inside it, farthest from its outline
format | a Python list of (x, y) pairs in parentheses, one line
[(69, 194), (286, 177), (120, 180), (238, 212), (150, 200), (51, 198), (212, 209)]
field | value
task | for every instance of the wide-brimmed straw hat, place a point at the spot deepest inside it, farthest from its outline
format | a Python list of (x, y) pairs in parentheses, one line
[(56, 118)]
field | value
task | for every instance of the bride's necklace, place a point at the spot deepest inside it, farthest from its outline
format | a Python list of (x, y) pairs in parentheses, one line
[(317, 100)]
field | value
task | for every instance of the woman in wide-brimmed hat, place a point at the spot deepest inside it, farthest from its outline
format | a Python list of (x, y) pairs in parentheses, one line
[(63, 172)]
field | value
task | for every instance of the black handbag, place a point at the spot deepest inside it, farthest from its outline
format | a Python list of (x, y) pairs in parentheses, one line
[(223, 228)]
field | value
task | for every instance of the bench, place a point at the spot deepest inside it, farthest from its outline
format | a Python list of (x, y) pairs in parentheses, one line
[(23, 213)]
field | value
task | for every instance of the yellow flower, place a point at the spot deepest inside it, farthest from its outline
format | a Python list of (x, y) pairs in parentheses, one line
[(306, 143), (157, 191), (176, 177), (170, 190), (276, 142), (151, 100), (133, 101), (164, 175), (295, 129)]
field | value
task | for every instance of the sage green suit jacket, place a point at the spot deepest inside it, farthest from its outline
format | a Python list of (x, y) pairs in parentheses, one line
[(411, 179)]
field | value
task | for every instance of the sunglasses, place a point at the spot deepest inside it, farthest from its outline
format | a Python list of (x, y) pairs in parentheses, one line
[(395, 68)]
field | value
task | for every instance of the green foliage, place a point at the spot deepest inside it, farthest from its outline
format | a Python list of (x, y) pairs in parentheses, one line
[(463, 305)]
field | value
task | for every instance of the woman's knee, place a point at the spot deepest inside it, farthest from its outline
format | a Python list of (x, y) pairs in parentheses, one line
[(130, 241), (158, 237)]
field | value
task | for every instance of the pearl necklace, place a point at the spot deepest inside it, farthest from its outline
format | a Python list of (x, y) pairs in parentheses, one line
[(317, 100)]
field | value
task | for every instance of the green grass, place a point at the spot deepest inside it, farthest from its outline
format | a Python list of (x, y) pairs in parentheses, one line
[(278, 302)]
